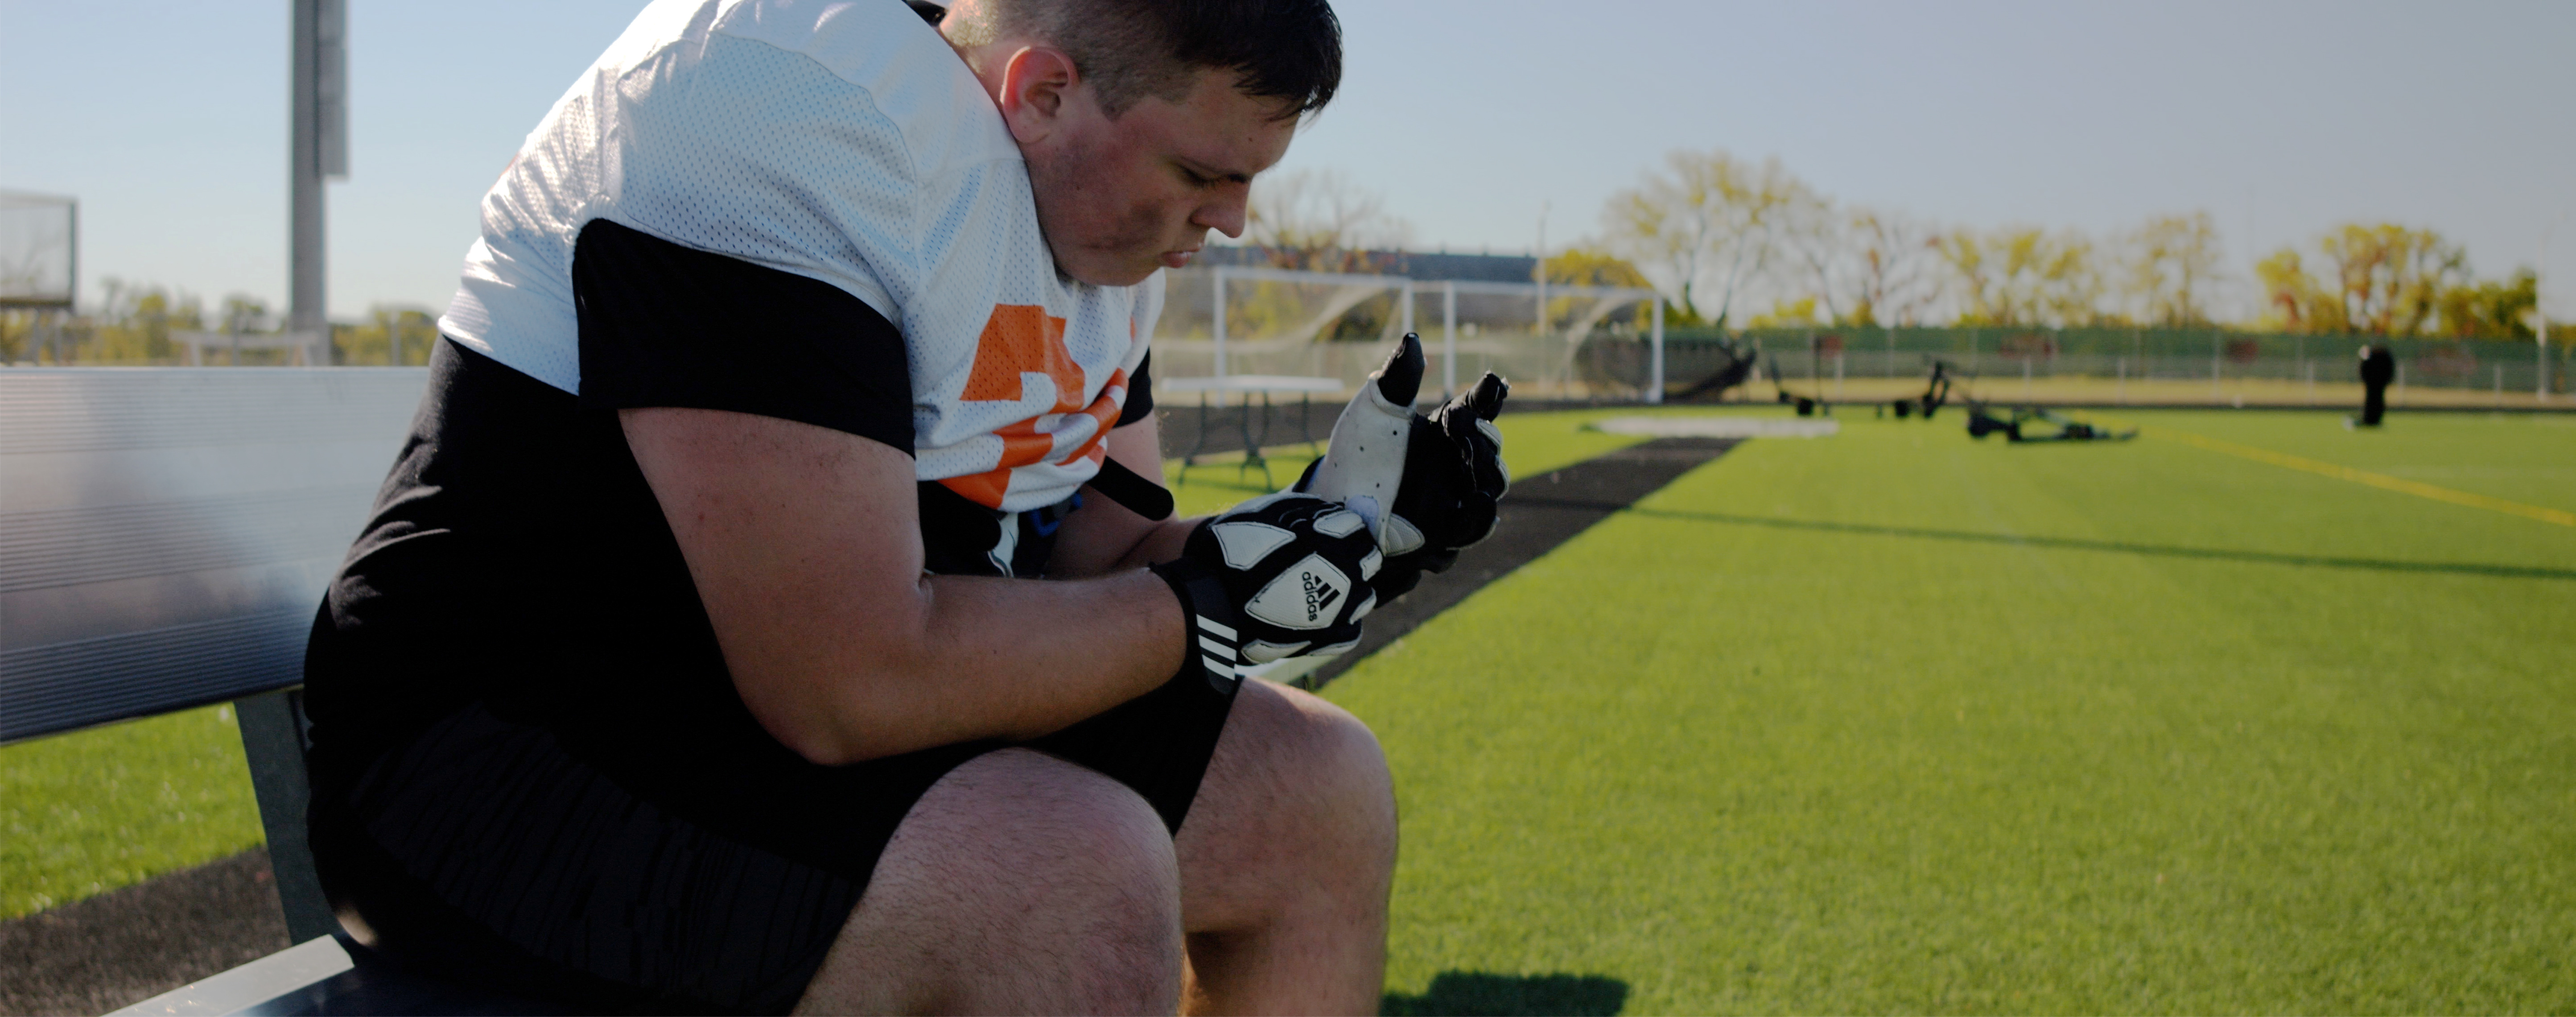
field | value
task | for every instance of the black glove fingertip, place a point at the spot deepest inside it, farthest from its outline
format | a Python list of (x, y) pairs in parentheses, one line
[(1488, 395)]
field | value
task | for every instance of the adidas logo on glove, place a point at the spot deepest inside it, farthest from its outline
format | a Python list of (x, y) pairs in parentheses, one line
[(1301, 597), (1319, 595)]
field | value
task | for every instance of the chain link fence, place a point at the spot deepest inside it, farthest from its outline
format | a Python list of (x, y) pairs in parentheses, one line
[(2152, 366), (2089, 366), (1597, 345)]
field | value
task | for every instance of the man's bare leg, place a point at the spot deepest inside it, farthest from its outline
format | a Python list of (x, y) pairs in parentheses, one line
[(1286, 860), (1019, 884)]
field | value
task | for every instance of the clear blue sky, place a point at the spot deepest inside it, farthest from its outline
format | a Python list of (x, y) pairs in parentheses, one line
[(2281, 119)]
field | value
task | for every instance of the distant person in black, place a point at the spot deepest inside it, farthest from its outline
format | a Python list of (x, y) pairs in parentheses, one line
[(2378, 368)]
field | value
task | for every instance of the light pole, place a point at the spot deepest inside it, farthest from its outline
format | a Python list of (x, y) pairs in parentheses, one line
[(317, 120), (2540, 315), (1542, 269)]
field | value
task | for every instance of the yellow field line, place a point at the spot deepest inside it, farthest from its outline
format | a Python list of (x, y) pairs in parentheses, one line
[(2379, 480)]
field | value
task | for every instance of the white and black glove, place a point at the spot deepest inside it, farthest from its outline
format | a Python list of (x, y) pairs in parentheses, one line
[(1286, 575), (1454, 481), (1448, 481)]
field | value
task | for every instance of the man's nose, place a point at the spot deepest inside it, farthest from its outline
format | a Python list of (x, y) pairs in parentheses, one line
[(1224, 215)]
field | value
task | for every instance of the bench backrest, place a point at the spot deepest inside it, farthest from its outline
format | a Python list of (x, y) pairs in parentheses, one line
[(165, 538), (166, 533)]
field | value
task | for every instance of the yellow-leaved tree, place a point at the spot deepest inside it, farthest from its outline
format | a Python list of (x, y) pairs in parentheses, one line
[(2293, 301), (2167, 267), (2024, 276), (2389, 277), (2492, 309), (2382, 279)]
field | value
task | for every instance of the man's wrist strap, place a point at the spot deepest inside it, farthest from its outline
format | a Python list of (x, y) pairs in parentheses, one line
[(1215, 628)]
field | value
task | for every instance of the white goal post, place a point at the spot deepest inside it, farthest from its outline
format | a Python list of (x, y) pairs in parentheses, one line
[(1348, 291)]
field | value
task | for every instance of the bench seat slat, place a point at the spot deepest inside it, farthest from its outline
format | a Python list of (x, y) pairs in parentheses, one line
[(277, 983), (68, 547), (89, 682)]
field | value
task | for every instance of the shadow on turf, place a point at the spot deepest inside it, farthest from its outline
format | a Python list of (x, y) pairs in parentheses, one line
[(2123, 547), (1476, 994)]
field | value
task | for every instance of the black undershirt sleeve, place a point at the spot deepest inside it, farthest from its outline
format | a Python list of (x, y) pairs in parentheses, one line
[(666, 325), (1140, 393)]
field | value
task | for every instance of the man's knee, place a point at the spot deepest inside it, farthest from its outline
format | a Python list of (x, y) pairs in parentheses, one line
[(1287, 859), (1022, 881), (1294, 759), (1343, 747), (1053, 831), (1315, 737)]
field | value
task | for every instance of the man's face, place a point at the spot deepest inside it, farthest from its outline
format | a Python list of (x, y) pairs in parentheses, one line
[(1120, 198)]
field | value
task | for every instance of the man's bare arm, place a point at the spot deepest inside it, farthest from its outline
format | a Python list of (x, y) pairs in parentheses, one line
[(805, 545), (1103, 536)]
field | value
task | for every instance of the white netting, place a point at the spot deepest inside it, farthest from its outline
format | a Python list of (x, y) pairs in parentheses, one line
[(1590, 344), (38, 250)]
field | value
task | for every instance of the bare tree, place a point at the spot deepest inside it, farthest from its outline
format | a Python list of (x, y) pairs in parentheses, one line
[(1862, 266), (1708, 227), (1321, 221), (1816, 244)]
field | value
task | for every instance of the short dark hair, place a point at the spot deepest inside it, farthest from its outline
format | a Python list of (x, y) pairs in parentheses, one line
[(1286, 50)]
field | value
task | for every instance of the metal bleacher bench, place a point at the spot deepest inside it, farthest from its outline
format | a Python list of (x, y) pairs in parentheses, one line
[(165, 537), (1250, 385)]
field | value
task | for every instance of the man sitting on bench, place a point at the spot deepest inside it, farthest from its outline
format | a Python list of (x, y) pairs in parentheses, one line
[(695, 658)]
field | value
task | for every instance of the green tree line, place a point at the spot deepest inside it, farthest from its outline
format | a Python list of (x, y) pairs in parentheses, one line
[(136, 322)]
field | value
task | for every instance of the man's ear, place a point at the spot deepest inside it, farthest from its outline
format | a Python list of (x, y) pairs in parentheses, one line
[(1036, 82)]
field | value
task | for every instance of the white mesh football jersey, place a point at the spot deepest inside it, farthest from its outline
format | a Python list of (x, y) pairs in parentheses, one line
[(844, 142)]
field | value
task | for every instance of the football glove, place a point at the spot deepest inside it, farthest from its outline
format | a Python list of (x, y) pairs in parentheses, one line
[(1286, 575), (1453, 481)]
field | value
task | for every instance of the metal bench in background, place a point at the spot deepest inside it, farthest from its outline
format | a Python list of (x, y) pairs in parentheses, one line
[(1250, 385), (165, 537)]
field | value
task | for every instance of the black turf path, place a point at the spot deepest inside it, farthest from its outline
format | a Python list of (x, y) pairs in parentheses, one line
[(128, 945), (1538, 514)]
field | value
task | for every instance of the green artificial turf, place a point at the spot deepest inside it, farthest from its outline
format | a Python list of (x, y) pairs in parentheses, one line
[(94, 810), (1898, 721), (2523, 457)]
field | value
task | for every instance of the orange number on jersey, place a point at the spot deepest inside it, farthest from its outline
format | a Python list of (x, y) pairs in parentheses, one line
[(1023, 339)]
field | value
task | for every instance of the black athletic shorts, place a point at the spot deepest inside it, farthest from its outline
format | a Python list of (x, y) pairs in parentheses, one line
[(531, 769), (489, 852)]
